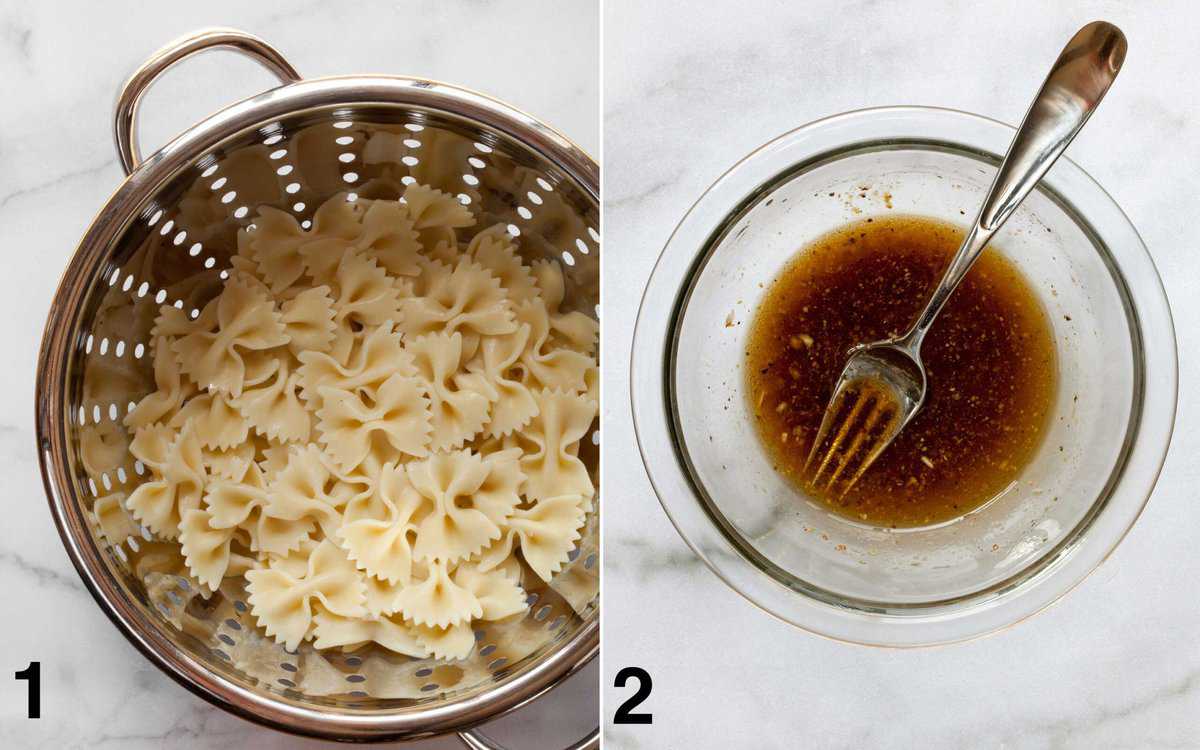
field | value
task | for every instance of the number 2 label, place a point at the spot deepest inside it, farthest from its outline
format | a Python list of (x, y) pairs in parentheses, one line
[(625, 714)]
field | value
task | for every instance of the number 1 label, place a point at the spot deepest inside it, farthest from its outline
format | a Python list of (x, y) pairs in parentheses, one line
[(33, 674)]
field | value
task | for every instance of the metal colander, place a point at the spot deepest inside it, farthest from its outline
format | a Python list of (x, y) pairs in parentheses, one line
[(166, 237)]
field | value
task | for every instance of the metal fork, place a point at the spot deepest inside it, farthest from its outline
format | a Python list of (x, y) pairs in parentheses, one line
[(883, 384)]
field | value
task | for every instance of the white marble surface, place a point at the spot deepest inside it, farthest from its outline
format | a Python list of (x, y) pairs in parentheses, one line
[(689, 89), (61, 64)]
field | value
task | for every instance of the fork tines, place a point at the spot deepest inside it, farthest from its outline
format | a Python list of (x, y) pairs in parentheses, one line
[(859, 423)]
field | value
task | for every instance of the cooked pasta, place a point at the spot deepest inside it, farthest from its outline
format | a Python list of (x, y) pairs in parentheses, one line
[(375, 423)]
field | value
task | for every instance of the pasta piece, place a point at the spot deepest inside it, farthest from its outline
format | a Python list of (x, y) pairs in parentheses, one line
[(578, 330), (218, 423), (444, 252), (498, 595), (274, 458), (352, 422), (486, 446), (172, 322), (306, 489), (115, 522), (335, 225), (436, 215), (231, 503), (246, 322), (383, 547), (500, 557), (205, 548), (366, 294), (457, 411), (452, 643), (493, 249), (274, 247), (470, 497), (390, 632), (103, 448), (498, 553), (429, 207), (497, 496), (591, 378), (308, 320), (260, 366), (244, 267), (239, 563), (274, 409), (369, 502), (160, 503), (353, 490), (547, 533), (171, 389), (463, 296), (339, 217), (293, 562), (388, 236), (323, 256), (282, 602), (345, 338), (553, 467), (381, 595), (547, 365), (437, 600), (152, 445), (244, 505), (231, 463), (512, 403), (375, 357), (276, 535)]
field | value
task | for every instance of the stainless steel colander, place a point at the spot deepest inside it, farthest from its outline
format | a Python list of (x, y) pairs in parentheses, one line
[(166, 237)]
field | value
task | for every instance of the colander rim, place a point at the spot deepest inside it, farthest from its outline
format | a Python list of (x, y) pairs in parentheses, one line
[(50, 414)]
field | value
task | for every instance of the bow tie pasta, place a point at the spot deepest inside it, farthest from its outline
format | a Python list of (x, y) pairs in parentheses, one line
[(375, 423)]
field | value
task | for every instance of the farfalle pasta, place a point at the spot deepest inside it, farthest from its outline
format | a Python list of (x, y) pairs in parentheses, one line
[(375, 423)]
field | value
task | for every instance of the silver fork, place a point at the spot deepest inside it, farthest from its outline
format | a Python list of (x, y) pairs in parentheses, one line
[(883, 384)]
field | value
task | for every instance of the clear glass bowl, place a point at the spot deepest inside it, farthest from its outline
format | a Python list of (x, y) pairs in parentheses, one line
[(1073, 503)]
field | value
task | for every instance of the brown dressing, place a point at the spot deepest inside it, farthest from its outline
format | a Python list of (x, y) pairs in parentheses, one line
[(990, 361)]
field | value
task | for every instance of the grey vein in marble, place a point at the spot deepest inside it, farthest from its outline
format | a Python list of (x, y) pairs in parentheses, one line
[(54, 182), (43, 575)]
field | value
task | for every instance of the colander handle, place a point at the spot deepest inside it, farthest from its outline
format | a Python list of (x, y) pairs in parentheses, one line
[(476, 741), (125, 122)]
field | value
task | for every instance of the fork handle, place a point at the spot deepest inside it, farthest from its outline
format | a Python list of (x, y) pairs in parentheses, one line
[(1073, 89)]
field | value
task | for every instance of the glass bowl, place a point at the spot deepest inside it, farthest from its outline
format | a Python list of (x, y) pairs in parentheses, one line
[(1069, 508)]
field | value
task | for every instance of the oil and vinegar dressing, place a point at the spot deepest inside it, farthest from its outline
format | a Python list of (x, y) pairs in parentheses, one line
[(989, 358)]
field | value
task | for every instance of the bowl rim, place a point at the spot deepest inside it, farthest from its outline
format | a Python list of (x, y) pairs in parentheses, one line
[(53, 444), (651, 370)]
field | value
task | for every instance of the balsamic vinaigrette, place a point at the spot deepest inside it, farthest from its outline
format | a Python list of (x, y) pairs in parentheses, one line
[(989, 357)]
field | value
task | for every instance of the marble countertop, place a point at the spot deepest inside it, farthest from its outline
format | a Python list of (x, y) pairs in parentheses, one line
[(1116, 664), (61, 64)]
